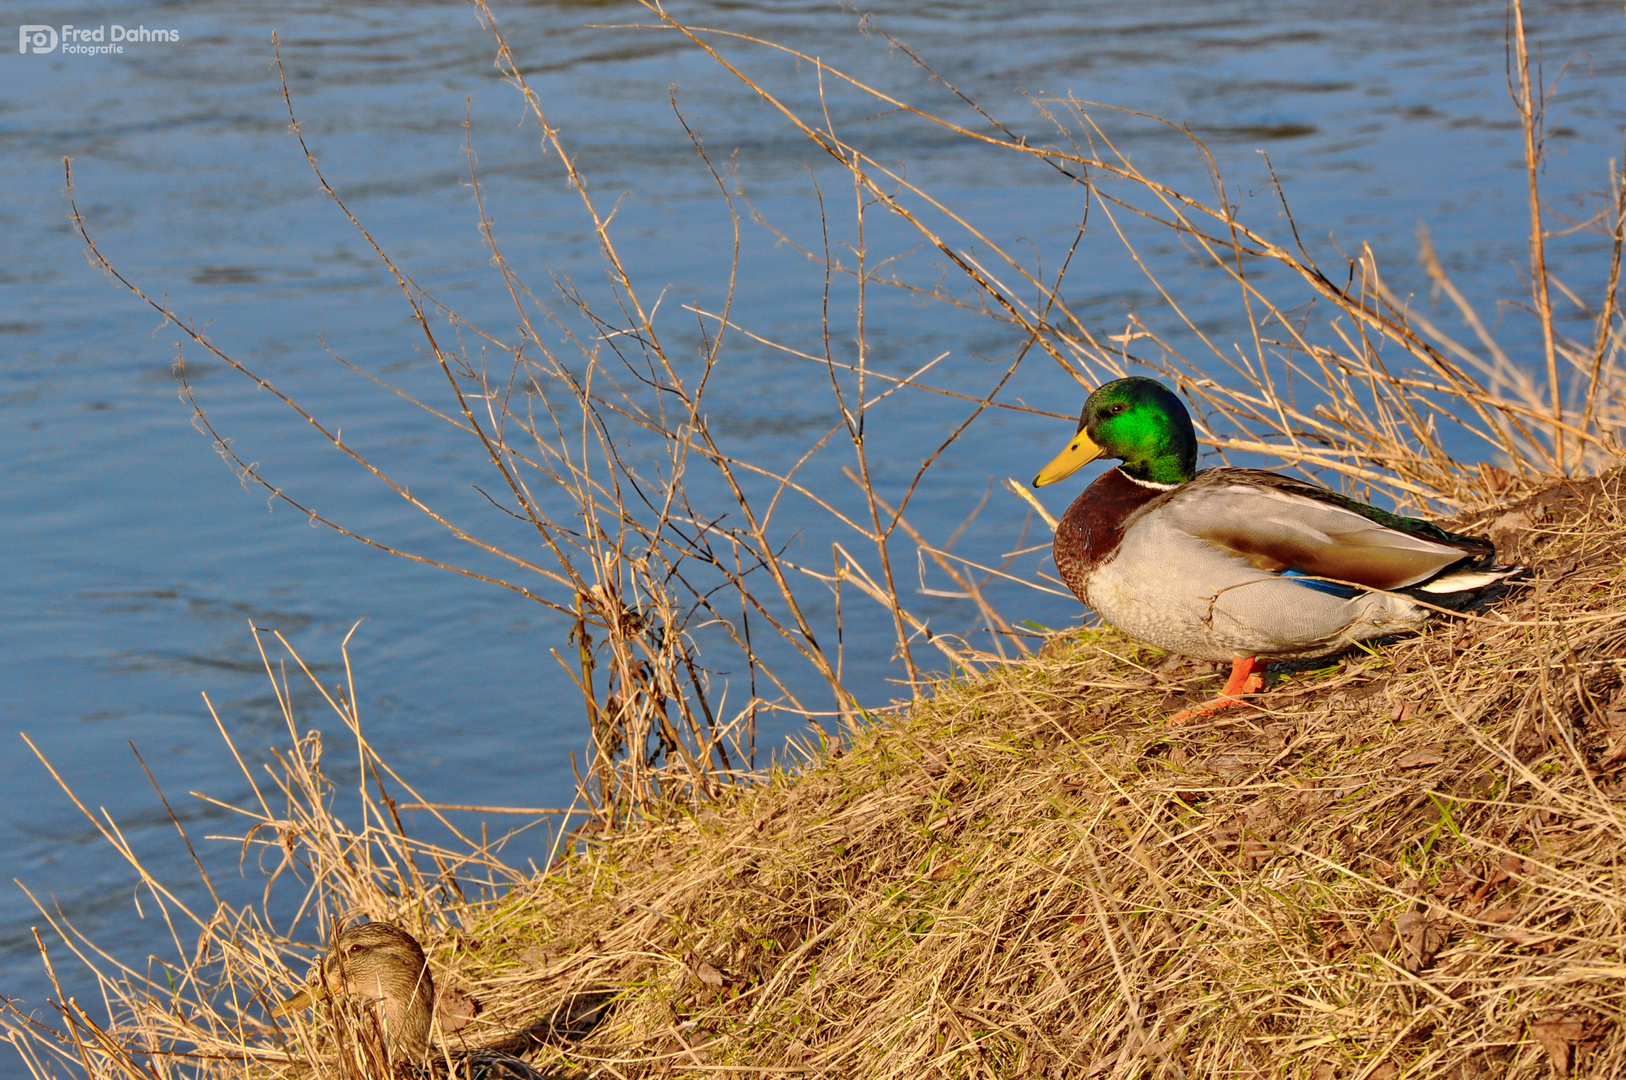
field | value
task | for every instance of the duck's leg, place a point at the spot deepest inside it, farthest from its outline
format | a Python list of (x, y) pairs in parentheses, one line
[(1247, 676)]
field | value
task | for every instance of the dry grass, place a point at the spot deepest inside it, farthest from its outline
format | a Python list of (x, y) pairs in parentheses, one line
[(1404, 863), (328, 857)]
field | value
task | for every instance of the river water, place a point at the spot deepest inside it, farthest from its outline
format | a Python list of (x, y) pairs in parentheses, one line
[(135, 560)]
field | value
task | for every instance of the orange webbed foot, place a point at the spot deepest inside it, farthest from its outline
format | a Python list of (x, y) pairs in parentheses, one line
[(1247, 677)]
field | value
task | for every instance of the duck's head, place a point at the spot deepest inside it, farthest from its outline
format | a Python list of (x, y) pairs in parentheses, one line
[(384, 966), (1139, 421), (381, 970)]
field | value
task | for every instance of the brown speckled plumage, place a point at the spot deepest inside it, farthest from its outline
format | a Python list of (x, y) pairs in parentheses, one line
[(380, 969)]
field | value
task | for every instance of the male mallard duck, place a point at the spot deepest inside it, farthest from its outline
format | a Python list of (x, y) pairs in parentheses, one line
[(1238, 564), (381, 969)]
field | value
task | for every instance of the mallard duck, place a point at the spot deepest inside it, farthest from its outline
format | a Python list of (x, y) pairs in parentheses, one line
[(380, 970), (1239, 564)]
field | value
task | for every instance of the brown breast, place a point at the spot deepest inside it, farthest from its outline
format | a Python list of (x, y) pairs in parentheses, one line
[(1093, 527)]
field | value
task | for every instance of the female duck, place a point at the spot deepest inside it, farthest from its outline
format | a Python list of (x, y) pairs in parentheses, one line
[(1238, 564), (380, 971)]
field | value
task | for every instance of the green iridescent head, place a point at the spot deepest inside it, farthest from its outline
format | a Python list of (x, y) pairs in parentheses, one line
[(1139, 421)]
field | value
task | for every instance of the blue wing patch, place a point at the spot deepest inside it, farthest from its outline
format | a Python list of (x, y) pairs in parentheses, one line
[(1346, 592)]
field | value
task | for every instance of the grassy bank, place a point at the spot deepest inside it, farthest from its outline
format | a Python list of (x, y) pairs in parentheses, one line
[(1401, 863)]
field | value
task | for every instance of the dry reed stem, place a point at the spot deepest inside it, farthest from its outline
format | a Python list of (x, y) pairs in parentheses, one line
[(1349, 408)]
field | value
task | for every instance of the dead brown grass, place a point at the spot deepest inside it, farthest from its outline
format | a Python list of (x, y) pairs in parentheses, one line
[(1404, 863)]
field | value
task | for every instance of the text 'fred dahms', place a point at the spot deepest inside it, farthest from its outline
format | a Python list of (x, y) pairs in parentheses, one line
[(103, 40)]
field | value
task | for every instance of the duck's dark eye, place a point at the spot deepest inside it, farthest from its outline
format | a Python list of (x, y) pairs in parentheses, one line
[(1116, 410)]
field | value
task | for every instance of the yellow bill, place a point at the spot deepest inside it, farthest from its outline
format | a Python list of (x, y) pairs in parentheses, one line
[(293, 1004), (1079, 453)]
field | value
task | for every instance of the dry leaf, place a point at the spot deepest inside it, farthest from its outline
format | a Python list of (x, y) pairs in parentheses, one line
[(1559, 1038), (1495, 479), (1426, 755), (710, 975), (1383, 938), (454, 1009), (1501, 912), (1421, 937)]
